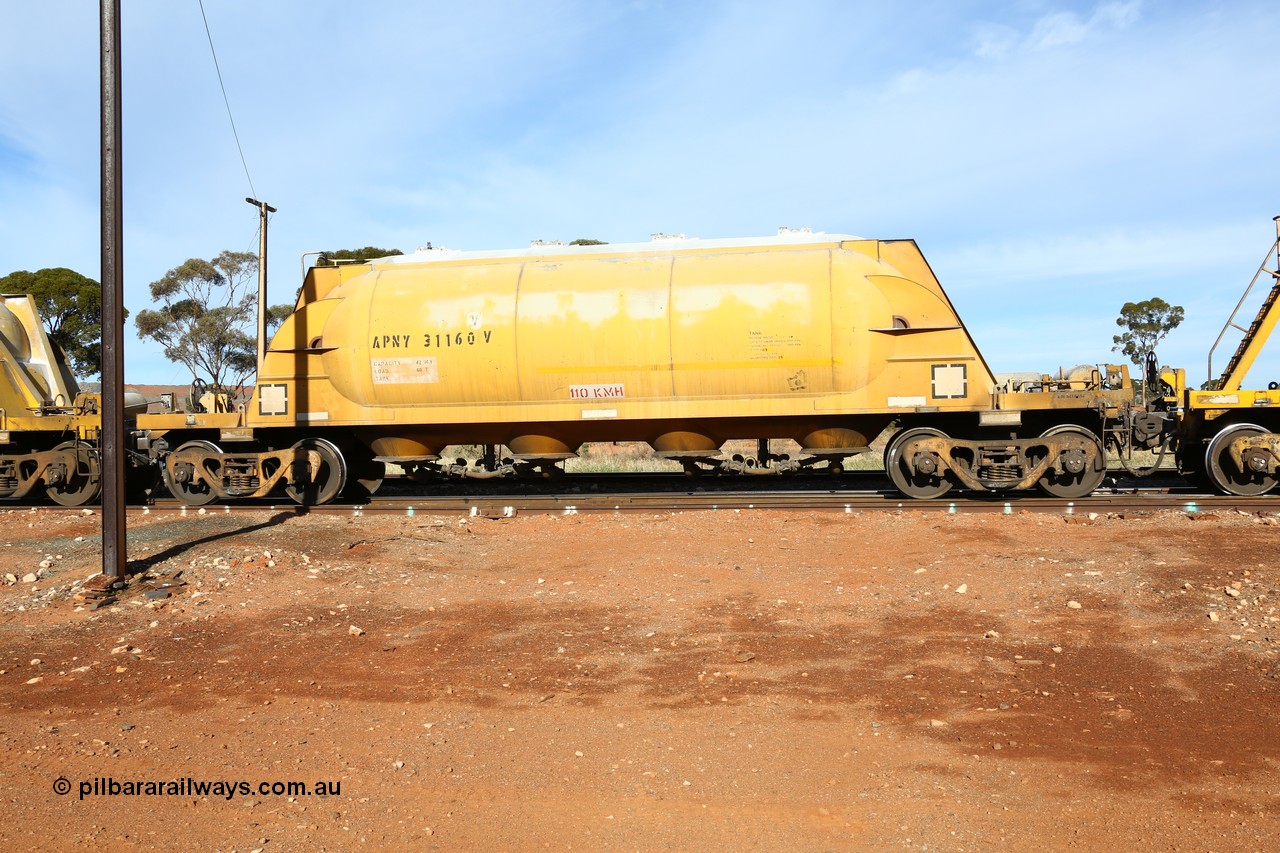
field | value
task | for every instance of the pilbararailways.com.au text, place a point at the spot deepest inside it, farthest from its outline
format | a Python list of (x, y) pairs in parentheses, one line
[(108, 786)]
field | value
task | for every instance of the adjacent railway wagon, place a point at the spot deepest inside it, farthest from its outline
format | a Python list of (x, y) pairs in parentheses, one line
[(1226, 437), (49, 429), (684, 344)]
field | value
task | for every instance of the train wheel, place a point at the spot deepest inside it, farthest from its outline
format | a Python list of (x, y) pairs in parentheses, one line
[(319, 472), (1082, 472), (906, 476), (81, 485), (1222, 472), (190, 492)]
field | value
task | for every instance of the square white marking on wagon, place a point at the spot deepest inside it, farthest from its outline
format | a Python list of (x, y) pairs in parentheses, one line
[(410, 370), (591, 414), (949, 381), (273, 399)]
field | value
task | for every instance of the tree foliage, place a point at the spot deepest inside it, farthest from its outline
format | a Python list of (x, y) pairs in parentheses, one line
[(357, 255), (70, 306), (1145, 323), (207, 317), (587, 241)]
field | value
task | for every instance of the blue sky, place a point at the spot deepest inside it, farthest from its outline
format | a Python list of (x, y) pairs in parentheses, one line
[(1053, 159)]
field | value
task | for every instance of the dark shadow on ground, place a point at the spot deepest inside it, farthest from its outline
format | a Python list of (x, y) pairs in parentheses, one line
[(136, 567)]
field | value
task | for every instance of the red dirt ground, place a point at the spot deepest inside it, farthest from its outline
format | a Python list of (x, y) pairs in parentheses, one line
[(697, 681)]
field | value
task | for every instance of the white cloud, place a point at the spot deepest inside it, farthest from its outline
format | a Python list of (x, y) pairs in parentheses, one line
[(1118, 15), (994, 41), (1056, 29)]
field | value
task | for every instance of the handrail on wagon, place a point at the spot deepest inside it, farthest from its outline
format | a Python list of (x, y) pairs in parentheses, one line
[(1258, 332)]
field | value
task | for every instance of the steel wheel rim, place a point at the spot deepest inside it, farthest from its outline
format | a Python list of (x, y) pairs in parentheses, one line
[(910, 483), (1071, 486), (1230, 482), (189, 493), (331, 479), (88, 483)]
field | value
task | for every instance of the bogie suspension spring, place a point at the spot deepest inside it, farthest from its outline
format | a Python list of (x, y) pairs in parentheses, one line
[(1000, 473)]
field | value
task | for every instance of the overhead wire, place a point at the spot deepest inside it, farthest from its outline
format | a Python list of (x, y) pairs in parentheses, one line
[(231, 118), (226, 100)]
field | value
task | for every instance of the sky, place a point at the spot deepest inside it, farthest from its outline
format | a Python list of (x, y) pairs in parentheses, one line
[(1053, 159)]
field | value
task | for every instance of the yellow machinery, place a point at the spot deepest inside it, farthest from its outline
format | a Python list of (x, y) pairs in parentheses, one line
[(684, 344), (1228, 437), (48, 429)]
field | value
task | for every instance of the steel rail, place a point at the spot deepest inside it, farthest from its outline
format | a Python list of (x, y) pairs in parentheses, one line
[(509, 505)]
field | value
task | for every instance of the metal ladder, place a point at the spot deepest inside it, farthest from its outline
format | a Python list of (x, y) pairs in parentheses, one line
[(1258, 332)]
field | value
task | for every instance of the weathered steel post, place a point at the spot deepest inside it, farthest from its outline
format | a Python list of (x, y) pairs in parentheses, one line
[(111, 439)]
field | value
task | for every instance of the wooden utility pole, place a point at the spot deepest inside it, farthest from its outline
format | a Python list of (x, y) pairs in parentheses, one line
[(263, 210)]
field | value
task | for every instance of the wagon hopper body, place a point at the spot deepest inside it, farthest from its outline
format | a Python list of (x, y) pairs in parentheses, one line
[(684, 344)]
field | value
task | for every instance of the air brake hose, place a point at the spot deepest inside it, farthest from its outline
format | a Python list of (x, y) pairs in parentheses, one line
[(1140, 472)]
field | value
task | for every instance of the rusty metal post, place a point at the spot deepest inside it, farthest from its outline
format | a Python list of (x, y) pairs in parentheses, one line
[(263, 210), (112, 436)]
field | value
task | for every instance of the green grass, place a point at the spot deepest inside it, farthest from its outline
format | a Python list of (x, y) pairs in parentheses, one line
[(619, 458)]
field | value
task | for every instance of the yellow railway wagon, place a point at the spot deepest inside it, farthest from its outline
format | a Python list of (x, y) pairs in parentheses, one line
[(1228, 436), (821, 338), (49, 429)]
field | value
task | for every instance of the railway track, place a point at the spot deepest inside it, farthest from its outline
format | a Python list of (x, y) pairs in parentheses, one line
[(650, 493), (861, 491)]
